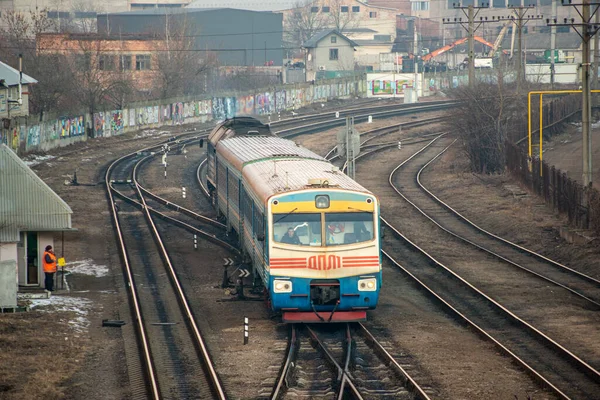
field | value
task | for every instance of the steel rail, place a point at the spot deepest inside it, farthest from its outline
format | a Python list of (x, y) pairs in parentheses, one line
[(308, 128), (463, 317), (378, 132), (470, 242), (588, 369), (139, 322), (175, 207), (344, 376), (343, 112), (212, 373), (348, 353), (282, 381), (408, 380), (524, 249)]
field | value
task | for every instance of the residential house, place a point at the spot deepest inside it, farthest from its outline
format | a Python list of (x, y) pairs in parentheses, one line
[(371, 27), (329, 54), (13, 105)]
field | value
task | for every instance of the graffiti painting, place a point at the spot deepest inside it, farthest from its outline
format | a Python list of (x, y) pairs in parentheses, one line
[(98, 124)]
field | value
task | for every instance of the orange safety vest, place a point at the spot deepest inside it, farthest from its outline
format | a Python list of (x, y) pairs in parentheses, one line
[(49, 266)]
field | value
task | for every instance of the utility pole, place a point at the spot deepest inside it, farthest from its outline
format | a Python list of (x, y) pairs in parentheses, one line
[(471, 13), (586, 30), (553, 45), (596, 52), (520, 21)]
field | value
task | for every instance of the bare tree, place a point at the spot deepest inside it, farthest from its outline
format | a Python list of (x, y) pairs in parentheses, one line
[(486, 115), (341, 16), (181, 68), (303, 22)]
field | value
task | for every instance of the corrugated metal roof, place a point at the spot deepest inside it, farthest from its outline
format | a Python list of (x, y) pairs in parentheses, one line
[(276, 176), (254, 5), (26, 202), (240, 150), (11, 75)]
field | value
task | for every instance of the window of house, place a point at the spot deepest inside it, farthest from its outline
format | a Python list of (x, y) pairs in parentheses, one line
[(106, 62), (334, 39), (142, 62), (333, 54), (314, 9), (355, 8), (419, 5), (372, 14), (344, 8), (325, 9), (125, 63), (382, 38)]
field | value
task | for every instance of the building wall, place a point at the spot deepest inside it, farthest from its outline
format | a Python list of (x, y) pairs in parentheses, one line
[(136, 53), (238, 37), (403, 6), (16, 110), (381, 20), (321, 53)]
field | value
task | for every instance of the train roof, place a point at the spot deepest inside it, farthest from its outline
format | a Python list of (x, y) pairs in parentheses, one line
[(239, 126), (241, 150), (273, 165)]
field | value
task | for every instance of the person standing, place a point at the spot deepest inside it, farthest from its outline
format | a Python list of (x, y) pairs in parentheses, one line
[(49, 263)]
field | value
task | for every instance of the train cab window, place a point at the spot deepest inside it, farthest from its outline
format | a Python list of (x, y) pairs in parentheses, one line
[(348, 228), (301, 229)]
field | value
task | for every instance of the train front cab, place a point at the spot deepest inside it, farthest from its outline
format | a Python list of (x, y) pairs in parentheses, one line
[(328, 268)]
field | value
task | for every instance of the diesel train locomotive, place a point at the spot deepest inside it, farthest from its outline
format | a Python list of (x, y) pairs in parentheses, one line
[(311, 233)]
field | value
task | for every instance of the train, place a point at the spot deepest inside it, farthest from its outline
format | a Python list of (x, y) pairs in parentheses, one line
[(311, 233)]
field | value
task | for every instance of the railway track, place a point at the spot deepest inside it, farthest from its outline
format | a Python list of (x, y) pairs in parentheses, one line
[(544, 358), (167, 367), (459, 227), (374, 108), (175, 358), (342, 362)]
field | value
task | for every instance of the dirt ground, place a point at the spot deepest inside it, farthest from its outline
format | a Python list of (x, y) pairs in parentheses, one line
[(565, 152), (60, 350)]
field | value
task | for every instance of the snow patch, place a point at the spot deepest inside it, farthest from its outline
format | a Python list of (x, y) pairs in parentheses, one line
[(33, 160), (150, 133), (77, 305), (86, 267)]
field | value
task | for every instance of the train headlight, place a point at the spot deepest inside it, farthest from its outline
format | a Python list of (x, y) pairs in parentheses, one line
[(322, 201), (282, 286), (367, 285)]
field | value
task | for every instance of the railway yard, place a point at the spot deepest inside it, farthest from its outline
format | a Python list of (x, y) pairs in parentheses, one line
[(480, 298)]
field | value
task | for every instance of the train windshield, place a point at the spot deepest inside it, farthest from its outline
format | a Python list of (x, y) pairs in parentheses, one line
[(303, 229), (347, 228)]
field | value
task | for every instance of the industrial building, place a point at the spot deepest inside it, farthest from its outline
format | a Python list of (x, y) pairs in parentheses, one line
[(237, 37)]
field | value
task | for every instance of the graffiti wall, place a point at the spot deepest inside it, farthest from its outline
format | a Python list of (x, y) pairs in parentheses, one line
[(68, 129)]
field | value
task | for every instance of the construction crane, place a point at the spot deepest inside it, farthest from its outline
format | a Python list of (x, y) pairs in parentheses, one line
[(499, 38), (452, 45)]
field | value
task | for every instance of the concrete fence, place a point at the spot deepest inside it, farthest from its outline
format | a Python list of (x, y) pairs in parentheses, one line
[(29, 134)]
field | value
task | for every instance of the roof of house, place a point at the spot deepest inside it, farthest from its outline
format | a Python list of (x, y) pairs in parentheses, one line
[(11, 75), (531, 41), (26, 202), (316, 38), (254, 5), (172, 11)]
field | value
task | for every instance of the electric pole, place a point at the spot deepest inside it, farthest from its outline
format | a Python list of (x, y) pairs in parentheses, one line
[(471, 13), (553, 46), (520, 21), (586, 30)]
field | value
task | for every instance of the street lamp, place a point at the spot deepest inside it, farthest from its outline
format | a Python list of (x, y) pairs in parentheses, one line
[(305, 51)]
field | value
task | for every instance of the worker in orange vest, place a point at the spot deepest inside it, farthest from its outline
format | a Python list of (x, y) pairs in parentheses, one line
[(49, 263)]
